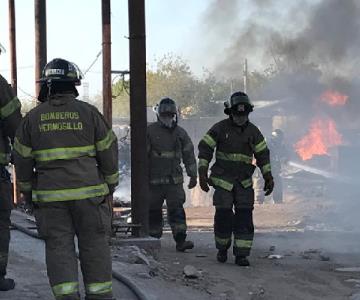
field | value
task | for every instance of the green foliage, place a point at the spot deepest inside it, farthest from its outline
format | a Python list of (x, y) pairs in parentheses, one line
[(121, 99), (27, 105), (173, 78)]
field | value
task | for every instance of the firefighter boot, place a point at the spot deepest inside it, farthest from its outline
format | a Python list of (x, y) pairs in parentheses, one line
[(70, 297), (242, 261), (6, 284), (182, 246), (87, 298), (221, 256)]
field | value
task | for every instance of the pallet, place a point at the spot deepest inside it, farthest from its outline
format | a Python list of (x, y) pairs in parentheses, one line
[(119, 226)]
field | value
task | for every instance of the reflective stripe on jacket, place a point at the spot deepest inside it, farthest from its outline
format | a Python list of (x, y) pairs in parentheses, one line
[(10, 118), (167, 148), (234, 148), (70, 147)]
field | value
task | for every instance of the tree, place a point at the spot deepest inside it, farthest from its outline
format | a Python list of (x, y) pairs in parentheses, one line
[(27, 105), (172, 77), (121, 98)]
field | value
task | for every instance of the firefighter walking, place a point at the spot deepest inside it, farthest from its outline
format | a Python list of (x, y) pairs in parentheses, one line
[(168, 144), (235, 141), (66, 161), (10, 119)]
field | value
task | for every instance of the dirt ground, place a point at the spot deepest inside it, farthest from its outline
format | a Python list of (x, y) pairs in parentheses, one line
[(294, 214), (302, 273), (300, 250), (307, 234)]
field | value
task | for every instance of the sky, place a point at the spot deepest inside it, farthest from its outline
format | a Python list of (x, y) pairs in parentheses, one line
[(74, 33), (215, 35)]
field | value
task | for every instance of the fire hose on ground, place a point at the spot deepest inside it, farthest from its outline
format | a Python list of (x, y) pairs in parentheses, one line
[(116, 275)]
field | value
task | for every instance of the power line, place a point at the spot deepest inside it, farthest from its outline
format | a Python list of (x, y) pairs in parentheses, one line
[(26, 93), (93, 63)]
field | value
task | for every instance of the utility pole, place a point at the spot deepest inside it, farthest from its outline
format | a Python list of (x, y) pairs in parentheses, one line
[(13, 73), (138, 122), (40, 40), (245, 75), (12, 35), (106, 50)]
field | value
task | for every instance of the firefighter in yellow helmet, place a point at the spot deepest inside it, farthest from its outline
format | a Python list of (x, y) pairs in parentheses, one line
[(10, 119), (66, 159), (235, 142)]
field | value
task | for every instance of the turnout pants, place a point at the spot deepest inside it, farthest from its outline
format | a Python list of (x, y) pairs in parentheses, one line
[(278, 188), (233, 216), (5, 211), (89, 220), (174, 195), (4, 240)]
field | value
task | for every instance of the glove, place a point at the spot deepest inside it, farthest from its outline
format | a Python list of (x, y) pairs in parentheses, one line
[(112, 188), (26, 201), (26, 198), (192, 183), (203, 179), (269, 184)]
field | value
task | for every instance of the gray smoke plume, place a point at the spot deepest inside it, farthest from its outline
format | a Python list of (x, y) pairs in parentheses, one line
[(310, 45), (324, 34)]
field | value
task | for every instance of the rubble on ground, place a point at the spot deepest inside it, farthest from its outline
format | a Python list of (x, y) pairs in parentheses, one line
[(352, 280), (348, 269), (315, 254), (142, 264), (355, 296), (191, 272), (275, 256)]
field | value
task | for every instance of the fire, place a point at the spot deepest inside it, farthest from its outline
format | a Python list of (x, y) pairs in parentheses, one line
[(322, 135), (333, 98)]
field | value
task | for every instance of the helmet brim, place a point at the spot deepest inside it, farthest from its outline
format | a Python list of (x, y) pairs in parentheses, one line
[(49, 80)]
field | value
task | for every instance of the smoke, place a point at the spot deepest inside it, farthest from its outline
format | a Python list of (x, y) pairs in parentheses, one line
[(324, 34), (333, 32), (308, 47)]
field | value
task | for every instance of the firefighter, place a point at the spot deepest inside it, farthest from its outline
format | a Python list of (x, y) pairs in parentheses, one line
[(67, 165), (168, 144), (278, 156), (10, 119), (235, 140)]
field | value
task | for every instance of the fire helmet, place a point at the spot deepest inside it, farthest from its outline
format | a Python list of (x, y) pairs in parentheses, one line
[(238, 102), (166, 105), (61, 70), (278, 134), (167, 112)]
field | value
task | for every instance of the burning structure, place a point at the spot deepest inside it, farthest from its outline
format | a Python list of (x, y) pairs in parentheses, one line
[(310, 53), (323, 135)]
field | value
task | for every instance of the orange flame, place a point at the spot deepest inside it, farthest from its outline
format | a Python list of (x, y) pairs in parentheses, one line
[(321, 136), (333, 98)]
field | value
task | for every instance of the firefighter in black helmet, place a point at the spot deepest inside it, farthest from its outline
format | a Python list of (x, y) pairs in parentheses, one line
[(67, 164), (235, 141), (10, 118), (168, 145)]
